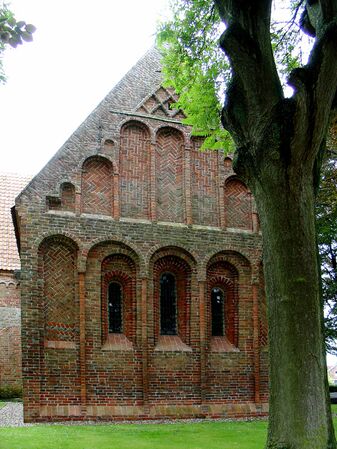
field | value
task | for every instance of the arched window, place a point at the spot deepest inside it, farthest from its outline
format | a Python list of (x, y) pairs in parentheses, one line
[(218, 317), (115, 308), (168, 304)]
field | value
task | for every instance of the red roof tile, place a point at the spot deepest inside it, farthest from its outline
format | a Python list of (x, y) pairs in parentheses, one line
[(10, 187)]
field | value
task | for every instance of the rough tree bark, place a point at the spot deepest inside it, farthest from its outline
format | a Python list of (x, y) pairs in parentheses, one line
[(279, 145)]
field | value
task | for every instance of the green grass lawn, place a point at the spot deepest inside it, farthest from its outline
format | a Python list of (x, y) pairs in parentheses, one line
[(2, 404), (204, 435), (207, 435)]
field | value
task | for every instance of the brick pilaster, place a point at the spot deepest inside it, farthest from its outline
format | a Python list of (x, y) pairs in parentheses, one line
[(152, 199), (81, 290), (203, 339), (116, 208), (145, 342), (187, 185), (256, 349)]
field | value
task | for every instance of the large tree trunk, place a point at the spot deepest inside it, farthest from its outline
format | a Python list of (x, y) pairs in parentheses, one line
[(279, 143), (300, 416)]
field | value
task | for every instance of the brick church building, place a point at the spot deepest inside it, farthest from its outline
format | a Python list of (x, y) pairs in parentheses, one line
[(141, 280)]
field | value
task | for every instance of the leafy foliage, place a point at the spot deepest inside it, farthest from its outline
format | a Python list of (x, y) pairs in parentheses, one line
[(196, 67), (326, 212), (12, 33)]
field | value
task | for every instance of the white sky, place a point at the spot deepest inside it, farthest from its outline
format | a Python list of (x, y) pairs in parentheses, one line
[(81, 49)]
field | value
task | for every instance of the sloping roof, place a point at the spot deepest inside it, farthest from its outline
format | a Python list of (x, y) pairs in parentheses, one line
[(10, 186), (142, 80)]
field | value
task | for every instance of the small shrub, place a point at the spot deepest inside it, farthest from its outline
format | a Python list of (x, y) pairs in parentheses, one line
[(10, 392)]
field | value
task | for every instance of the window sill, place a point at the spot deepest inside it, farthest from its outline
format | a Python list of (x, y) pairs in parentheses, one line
[(59, 344), (222, 344), (171, 343), (117, 342)]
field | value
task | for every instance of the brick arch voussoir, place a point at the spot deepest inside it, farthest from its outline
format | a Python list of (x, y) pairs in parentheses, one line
[(239, 259), (117, 245), (67, 238), (62, 182), (175, 129), (118, 276), (235, 178), (125, 124), (216, 281), (158, 251), (103, 157)]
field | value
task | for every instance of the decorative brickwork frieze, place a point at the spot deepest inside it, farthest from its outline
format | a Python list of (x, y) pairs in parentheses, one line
[(58, 274), (135, 170), (238, 205), (205, 205), (97, 186), (169, 175)]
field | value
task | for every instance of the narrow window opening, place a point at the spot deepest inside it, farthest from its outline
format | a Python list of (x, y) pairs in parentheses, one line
[(115, 308), (168, 305), (217, 305)]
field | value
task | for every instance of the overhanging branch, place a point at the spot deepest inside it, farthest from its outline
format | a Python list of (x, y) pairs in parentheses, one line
[(246, 41)]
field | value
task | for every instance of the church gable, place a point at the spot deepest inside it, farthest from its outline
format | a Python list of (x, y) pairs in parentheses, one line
[(137, 272)]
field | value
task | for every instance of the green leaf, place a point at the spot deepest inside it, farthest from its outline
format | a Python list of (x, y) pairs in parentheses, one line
[(30, 28), (26, 36)]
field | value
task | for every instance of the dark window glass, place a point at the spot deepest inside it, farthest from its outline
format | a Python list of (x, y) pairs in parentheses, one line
[(168, 304), (115, 308), (217, 302)]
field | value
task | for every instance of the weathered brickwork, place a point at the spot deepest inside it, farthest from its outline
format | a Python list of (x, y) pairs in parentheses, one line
[(10, 356), (205, 179), (135, 205), (10, 330), (97, 186), (135, 170), (169, 174)]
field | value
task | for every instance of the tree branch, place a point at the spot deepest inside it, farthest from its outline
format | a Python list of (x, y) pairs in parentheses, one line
[(246, 41), (315, 89)]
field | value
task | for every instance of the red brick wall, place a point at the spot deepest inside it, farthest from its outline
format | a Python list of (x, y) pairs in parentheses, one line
[(10, 331), (113, 374), (150, 173), (120, 268), (205, 201), (58, 274), (10, 356), (169, 176), (223, 275), (238, 207), (230, 373), (59, 313), (134, 167), (97, 186), (68, 197)]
